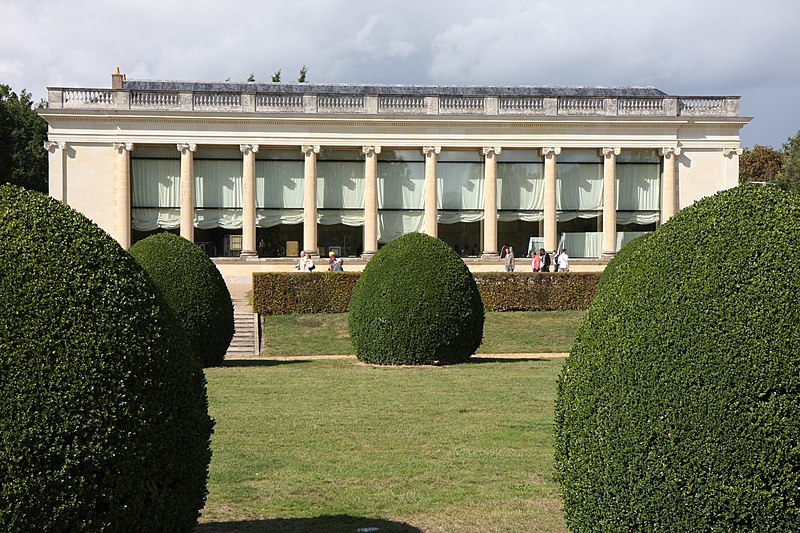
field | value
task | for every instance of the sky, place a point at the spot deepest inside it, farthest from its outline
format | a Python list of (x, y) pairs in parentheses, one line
[(682, 47)]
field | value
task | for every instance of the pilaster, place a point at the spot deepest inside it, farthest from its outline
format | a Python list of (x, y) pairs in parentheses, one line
[(123, 193), (670, 188), (57, 175)]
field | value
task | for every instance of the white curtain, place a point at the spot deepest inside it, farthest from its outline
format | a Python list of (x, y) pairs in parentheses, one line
[(155, 194), (401, 185), (638, 187), (460, 186), (340, 184), (453, 217), (520, 186), (640, 217), (572, 215), (329, 217), (584, 244), (218, 188), (267, 218), (525, 216), (279, 184), (393, 224), (579, 186)]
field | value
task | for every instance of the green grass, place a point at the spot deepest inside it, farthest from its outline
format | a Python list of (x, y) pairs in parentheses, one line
[(510, 332), (335, 445)]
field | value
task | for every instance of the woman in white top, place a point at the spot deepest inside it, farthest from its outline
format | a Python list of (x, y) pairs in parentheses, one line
[(563, 261)]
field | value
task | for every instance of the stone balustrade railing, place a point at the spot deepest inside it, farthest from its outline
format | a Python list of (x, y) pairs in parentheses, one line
[(391, 104)]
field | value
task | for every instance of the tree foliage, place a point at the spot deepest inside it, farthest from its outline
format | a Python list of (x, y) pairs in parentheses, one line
[(790, 177), (762, 163), (303, 73), (23, 159), (276, 78)]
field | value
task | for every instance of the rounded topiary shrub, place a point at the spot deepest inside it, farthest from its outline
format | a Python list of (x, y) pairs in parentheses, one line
[(678, 408), (416, 303), (104, 420), (194, 289)]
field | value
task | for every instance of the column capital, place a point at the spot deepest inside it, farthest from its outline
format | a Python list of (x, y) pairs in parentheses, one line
[(52, 146), (186, 147), (551, 150), (606, 152), (248, 148), (307, 149), (122, 147), (428, 150), (370, 150), (491, 151), (670, 150), (729, 152)]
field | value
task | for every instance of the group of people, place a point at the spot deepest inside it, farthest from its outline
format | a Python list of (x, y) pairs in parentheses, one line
[(540, 262), (306, 264)]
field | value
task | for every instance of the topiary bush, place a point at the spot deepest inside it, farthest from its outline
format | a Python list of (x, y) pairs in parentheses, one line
[(104, 420), (678, 408), (416, 303), (194, 289)]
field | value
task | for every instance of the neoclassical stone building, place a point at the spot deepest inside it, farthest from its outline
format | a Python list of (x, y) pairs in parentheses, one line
[(266, 169)]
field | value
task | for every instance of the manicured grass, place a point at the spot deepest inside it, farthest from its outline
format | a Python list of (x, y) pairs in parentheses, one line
[(511, 332), (335, 445)]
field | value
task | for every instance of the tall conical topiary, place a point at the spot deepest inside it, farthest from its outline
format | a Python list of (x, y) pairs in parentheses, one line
[(679, 406), (416, 302), (194, 289), (104, 420)]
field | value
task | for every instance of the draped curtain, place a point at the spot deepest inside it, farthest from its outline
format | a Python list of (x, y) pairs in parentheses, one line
[(460, 191), (279, 192), (401, 198), (155, 194), (579, 186), (638, 193), (588, 244), (340, 189), (520, 191), (218, 188)]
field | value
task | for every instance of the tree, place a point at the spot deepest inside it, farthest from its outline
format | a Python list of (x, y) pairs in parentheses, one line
[(276, 78), (762, 163), (790, 177), (251, 78), (23, 159), (303, 72)]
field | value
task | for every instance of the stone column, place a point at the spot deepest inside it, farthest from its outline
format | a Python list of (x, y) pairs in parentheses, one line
[(122, 184), (490, 154), (609, 201), (669, 204), (431, 216), (57, 183), (187, 190), (370, 200), (310, 200), (550, 226), (248, 200)]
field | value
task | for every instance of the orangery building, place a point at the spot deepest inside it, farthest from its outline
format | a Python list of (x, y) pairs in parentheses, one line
[(264, 170)]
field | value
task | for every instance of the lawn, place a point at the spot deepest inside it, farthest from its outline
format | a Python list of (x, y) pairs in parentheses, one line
[(335, 445), (510, 332)]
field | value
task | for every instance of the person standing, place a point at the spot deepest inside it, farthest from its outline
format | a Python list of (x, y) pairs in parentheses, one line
[(305, 264), (337, 266), (331, 261), (563, 261), (509, 260), (545, 261), (536, 261)]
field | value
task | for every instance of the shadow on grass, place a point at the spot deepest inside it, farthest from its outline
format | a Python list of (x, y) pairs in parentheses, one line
[(328, 524), (478, 359), (261, 362)]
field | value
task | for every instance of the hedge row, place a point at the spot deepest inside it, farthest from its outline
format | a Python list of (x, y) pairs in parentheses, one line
[(283, 293)]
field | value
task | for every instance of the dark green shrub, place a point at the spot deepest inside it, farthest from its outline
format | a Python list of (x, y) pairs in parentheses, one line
[(194, 289), (281, 293), (679, 406), (104, 420), (416, 303)]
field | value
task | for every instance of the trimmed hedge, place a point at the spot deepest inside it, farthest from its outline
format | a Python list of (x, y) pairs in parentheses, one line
[(416, 303), (194, 289), (104, 420), (282, 293), (679, 406)]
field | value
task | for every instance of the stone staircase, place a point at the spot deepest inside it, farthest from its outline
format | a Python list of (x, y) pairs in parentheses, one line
[(245, 337)]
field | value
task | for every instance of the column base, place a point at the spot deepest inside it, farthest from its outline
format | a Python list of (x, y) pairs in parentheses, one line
[(490, 256), (367, 255), (248, 254), (313, 254), (608, 256)]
